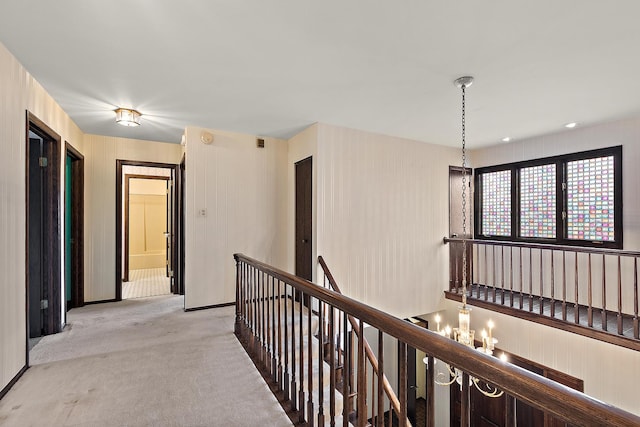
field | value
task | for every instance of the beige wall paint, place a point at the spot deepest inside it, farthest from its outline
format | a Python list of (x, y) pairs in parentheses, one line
[(20, 92), (241, 188), (382, 213), (101, 153)]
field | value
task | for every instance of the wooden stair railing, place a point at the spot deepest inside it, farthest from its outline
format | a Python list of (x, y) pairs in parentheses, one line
[(568, 287), (281, 335), (371, 358)]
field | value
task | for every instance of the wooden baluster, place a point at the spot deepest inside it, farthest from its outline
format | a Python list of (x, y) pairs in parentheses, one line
[(310, 410), (479, 271), (346, 372), (294, 380), (604, 296), (486, 274), (267, 361), (564, 286), (320, 363), (521, 281), (502, 275), (456, 277), (619, 298), (373, 396), (402, 363), (530, 280), (274, 362), (541, 296), (576, 305), (380, 418), (265, 331), (493, 264), (361, 389), (332, 363), (552, 309), (252, 302), (287, 384), (636, 325), (431, 392), (511, 276), (301, 397), (590, 296), (465, 401), (510, 411), (280, 372)]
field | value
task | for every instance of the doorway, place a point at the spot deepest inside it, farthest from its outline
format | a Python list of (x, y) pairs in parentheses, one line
[(304, 218), (74, 227), (43, 269), (146, 223)]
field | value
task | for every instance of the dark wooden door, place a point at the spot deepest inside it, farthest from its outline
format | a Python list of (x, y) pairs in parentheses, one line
[(44, 285), (304, 219), (36, 227), (74, 227)]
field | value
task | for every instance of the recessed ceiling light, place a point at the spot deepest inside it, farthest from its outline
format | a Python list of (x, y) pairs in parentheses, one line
[(506, 139), (570, 125), (127, 117)]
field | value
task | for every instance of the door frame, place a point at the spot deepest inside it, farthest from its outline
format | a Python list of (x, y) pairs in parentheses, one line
[(180, 205), (77, 226), (128, 177), (52, 247), (119, 225)]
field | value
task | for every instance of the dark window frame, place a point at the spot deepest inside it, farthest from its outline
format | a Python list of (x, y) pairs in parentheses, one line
[(561, 198)]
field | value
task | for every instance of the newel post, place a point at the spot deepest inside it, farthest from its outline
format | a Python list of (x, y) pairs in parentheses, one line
[(238, 313)]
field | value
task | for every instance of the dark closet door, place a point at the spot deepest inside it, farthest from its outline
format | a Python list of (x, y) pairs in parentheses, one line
[(36, 251), (304, 219)]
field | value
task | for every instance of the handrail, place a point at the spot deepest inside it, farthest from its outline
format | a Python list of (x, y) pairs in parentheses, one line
[(391, 395), (570, 405), (547, 246)]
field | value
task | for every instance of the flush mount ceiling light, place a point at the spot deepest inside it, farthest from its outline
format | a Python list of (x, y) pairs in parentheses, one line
[(506, 139), (127, 117), (570, 125)]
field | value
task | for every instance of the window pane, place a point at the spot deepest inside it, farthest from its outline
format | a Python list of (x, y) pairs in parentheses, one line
[(496, 203), (538, 201), (590, 200)]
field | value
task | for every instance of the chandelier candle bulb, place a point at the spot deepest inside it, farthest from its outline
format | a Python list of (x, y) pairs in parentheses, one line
[(484, 340), (490, 325), (438, 322)]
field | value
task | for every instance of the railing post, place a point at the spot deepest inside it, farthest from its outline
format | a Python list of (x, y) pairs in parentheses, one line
[(465, 402), (603, 312), (431, 394), (236, 326), (636, 328), (402, 387), (380, 417), (362, 378)]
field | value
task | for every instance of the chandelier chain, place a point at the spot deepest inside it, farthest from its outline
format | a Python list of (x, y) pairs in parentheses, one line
[(464, 200)]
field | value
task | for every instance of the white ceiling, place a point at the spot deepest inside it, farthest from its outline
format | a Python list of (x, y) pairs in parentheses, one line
[(273, 67)]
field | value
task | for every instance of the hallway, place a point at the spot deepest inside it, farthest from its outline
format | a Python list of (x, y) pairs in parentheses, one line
[(142, 362)]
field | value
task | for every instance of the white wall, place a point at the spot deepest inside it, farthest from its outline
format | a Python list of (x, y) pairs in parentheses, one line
[(382, 212), (20, 92), (101, 153), (241, 188)]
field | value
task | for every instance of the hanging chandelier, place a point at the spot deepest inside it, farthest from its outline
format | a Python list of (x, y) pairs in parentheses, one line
[(463, 333)]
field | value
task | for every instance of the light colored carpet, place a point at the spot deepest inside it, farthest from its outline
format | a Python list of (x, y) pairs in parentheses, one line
[(142, 362), (146, 283)]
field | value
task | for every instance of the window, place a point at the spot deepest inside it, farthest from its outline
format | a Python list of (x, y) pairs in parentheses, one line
[(574, 199)]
